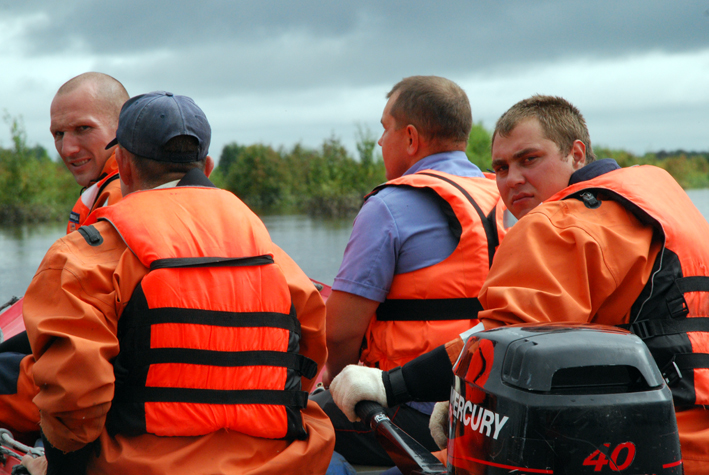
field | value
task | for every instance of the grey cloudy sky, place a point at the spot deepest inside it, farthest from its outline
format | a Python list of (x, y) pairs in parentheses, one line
[(282, 72)]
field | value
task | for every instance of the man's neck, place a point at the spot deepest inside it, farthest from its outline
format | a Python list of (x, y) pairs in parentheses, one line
[(432, 148)]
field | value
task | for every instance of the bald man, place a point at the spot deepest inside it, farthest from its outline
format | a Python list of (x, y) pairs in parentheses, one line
[(84, 118)]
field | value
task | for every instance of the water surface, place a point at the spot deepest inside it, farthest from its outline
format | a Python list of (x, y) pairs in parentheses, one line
[(316, 245)]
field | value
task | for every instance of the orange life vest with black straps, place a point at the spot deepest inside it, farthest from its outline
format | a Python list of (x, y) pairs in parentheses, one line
[(671, 314), (428, 307), (106, 191), (209, 339)]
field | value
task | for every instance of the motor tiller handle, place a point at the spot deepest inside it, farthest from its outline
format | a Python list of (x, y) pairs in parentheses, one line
[(410, 456)]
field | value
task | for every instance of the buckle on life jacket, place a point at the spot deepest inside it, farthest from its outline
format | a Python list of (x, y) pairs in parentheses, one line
[(670, 372), (677, 307), (640, 328), (589, 200)]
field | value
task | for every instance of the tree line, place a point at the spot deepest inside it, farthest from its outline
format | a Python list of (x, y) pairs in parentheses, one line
[(325, 181), (33, 187)]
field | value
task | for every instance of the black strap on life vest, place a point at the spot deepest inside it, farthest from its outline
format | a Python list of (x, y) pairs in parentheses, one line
[(105, 184), (693, 284), (303, 365), (219, 319), (412, 310), (690, 361), (102, 187), (651, 328), (131, 394), (172, 263), (489, 222)]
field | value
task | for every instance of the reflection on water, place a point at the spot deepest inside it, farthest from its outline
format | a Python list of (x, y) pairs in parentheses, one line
[(21, 250), (700, 198), (315, 244)]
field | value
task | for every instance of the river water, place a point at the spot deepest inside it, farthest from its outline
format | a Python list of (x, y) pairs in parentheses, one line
[(315, 244)]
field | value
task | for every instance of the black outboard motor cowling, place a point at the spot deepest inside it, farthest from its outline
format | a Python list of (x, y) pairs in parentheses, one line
[(560, 399)]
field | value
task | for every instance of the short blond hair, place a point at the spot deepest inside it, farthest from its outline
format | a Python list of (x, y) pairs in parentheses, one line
[(561, 122)]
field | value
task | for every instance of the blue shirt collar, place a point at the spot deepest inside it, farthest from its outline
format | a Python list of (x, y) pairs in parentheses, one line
[(443, 162)]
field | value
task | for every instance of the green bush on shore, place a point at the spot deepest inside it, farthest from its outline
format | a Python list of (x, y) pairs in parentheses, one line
[(325, 181), (33, 188)]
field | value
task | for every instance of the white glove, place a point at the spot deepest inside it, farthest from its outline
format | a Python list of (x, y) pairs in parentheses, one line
[(357, 383), (438, 424)]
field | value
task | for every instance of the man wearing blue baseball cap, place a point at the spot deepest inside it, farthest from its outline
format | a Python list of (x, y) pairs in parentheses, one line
[(171, 335)]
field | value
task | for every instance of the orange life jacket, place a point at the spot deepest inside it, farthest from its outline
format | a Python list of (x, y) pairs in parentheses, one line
[(428, 307), (107, 190), (209, 339), (671, 314)]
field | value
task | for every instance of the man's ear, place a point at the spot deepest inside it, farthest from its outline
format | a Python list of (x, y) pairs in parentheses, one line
[(208, 166), (125, 170), (578, 154), (413, 140)]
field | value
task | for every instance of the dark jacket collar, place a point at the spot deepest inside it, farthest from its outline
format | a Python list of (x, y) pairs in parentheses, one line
[(593, 170), (195, 177)]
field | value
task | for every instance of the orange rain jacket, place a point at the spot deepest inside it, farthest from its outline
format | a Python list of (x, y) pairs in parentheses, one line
[(593, 264), (18, 413), (72, 311), (106, 191), (427, 307)]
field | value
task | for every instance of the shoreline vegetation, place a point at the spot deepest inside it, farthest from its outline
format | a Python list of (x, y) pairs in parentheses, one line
[(324, 182)]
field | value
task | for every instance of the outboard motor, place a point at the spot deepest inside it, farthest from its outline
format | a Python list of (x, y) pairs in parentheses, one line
[(560, 399)]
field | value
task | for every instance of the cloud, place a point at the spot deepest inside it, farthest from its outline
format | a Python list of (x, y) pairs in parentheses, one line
[(284, 45), (280, 72)]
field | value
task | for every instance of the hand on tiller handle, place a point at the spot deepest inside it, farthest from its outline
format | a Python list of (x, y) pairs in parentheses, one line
[(438, 424), (357, 383)]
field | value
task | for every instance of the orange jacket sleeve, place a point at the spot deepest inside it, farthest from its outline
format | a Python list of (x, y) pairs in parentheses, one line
[(18, 413), (71, 319)]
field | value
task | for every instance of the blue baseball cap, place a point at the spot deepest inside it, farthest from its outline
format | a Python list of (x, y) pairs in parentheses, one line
[(148, 121)]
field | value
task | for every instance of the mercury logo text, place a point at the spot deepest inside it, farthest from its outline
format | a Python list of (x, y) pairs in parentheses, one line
[(487, 422)]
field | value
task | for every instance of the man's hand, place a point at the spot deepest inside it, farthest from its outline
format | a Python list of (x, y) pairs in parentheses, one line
[(438, 424), (357, 383), (36, 466)]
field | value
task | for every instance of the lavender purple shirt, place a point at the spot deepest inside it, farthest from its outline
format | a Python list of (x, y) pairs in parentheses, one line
[(398, 230)]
